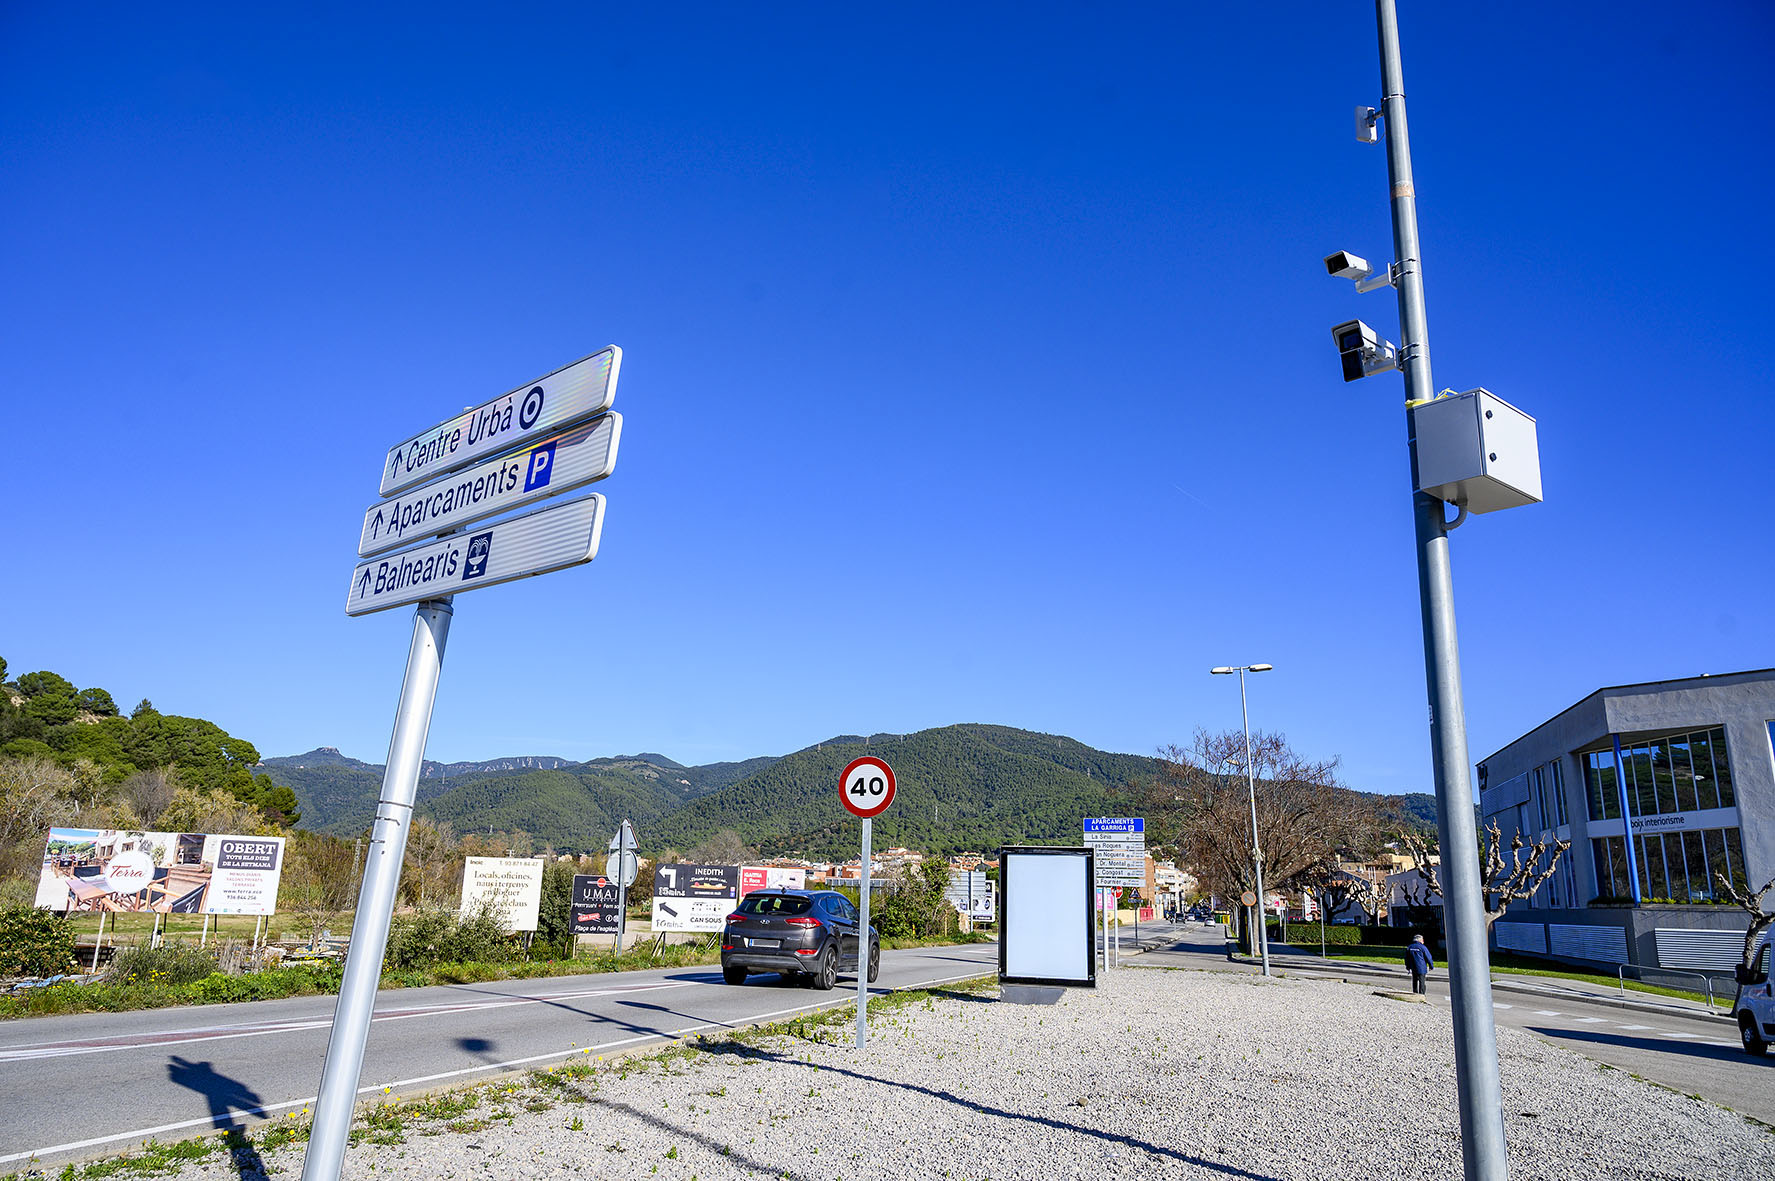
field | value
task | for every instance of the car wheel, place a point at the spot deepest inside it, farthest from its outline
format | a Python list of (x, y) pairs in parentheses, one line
[(1747, 1031), (826, 975), (874, 962), (734, 975)]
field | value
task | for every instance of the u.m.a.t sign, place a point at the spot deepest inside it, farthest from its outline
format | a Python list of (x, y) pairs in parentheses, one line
[(535, 543)]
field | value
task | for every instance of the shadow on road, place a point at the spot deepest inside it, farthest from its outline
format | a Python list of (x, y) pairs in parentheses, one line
[(226, 1096), (1661, 1045), (480, 1047)]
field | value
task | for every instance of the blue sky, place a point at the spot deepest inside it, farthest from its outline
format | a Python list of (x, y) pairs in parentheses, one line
[(977, 363)]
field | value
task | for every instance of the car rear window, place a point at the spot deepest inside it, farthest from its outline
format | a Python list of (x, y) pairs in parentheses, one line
[(774, 904)]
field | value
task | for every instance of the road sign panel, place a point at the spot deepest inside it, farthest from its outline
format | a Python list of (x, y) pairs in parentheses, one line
[(867, 786), (560, 463), (596, 900), (534, 410), (538, 542), (1126, 826)]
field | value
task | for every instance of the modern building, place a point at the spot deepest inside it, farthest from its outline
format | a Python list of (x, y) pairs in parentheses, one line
[(1686, 769)]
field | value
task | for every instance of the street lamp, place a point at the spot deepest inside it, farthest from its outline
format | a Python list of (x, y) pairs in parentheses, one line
[(1263, 938)]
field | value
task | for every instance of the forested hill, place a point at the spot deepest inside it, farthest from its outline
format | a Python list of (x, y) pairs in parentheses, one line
[(339, 793), (958, 787)]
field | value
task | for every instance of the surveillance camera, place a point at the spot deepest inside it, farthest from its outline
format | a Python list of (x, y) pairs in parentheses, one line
[(1344, 265), (1366, 132), (1362, 350)]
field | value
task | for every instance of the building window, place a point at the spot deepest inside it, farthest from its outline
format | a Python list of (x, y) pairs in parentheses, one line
[(1679, 866), (1678, 773)]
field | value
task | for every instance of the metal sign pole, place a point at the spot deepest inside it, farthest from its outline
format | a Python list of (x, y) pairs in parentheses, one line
[(863, 941), (1483, 1154), (375, 905)]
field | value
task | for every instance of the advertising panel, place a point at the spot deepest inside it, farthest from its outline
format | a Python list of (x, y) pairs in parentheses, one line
[(594, 909), (108, 869), (771, 877), (694, 897), (509, 887), (1046, 935)]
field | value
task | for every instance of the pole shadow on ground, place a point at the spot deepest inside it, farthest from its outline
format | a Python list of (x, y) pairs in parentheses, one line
[(226, 1096)]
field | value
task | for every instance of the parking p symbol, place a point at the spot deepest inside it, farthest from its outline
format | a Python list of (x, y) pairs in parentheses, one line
[(542, 465)]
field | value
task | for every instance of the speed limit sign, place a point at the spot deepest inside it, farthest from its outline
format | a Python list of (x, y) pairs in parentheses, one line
[(867, 786)]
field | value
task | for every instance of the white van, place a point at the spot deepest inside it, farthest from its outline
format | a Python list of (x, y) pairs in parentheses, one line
[(1754, 1008)]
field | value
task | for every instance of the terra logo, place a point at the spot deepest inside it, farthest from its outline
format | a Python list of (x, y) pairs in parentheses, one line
[(129, 872)]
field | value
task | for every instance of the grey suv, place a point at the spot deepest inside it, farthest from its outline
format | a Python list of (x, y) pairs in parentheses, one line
[(806, 935)]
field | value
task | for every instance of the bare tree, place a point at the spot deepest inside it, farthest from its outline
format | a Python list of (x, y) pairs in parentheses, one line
[(724, 848), (318, 885), (1502, 881), (1197, 807), (150, 793), (1760, 920), (432, 858), (1370, 894)]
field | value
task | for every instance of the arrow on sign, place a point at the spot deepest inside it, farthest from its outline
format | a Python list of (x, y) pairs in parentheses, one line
[(376, 525), (364, 582)]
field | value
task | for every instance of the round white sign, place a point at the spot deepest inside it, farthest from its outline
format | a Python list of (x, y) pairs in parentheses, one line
[(129, 872), (867, 786)]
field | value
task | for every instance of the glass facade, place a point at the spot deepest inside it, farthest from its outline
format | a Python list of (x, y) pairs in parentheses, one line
[(1678, 773), (1673, 866), (1547, 787), (1664, 776)]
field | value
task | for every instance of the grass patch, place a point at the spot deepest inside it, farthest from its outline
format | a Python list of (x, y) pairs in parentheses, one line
[(1507, 964)]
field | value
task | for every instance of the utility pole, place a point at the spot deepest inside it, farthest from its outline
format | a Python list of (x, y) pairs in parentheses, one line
[(1476, 1044)]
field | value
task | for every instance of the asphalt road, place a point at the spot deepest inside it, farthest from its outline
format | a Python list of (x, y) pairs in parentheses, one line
[(1697, 1055), (98, 1083)]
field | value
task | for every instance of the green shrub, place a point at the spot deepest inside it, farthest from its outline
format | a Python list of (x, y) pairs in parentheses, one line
[(34, 942), (1307, 934), (173, 964), (431, 937)]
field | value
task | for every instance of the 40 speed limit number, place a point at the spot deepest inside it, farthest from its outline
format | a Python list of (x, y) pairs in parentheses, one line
[(867, 787)]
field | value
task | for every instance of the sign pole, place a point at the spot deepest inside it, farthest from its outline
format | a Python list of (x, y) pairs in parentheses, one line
[(863, 941), (375, 904)]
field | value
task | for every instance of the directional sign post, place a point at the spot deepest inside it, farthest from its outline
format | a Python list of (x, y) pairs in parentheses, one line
[(560, 463), (532, 411), (866, 788), (538, 542), (622, 848), (534, 442)]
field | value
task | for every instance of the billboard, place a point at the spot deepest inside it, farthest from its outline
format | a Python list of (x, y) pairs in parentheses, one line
[(111, 869), (972, 894), (509, 887), (595, 902), (694, 897), (771, 877), (1047, 935)]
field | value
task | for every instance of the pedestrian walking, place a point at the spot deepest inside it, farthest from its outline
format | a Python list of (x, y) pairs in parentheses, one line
[(1419, 962)]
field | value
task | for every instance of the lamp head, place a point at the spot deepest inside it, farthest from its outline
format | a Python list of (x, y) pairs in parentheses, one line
[(1262, 668), (1218, 671)]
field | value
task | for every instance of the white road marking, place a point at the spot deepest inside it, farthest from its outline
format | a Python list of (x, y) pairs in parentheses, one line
[(1591, 1020), (1501, 1005), (1635, 1027), (229, 1120), (1548, 1013), (217, 1033)]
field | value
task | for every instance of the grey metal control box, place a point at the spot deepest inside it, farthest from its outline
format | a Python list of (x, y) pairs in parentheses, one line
[(1477, 450)]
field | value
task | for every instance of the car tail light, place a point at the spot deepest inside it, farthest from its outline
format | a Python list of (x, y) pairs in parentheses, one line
[(727, 947), (736, 917), (803, 922), (806, 950)]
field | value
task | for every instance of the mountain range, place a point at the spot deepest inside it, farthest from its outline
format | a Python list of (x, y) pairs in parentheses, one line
[(960, 787)]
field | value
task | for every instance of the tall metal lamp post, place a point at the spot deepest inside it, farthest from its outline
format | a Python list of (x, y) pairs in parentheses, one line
[(1263, 938)]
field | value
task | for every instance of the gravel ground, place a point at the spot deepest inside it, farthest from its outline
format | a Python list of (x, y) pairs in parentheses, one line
[(1170, 1074)]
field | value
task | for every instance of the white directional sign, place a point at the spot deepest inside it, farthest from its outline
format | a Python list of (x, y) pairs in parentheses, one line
[(540, 541), (1120, 846), (557, 464), (532, 411)]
